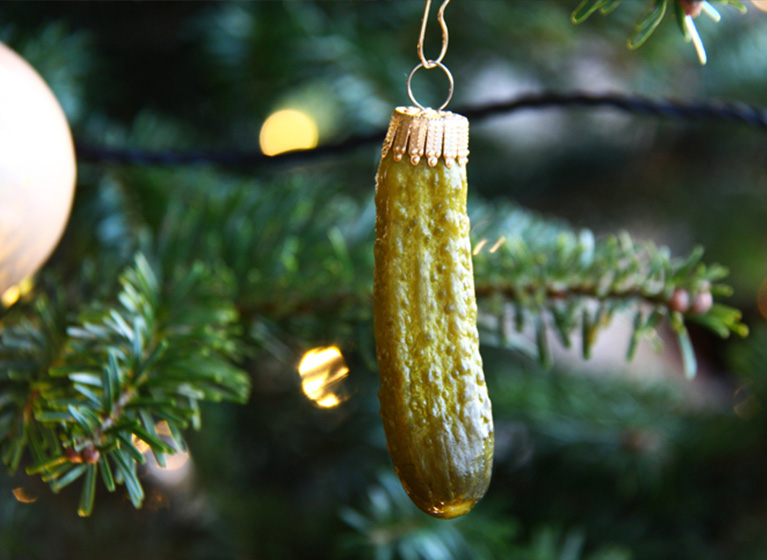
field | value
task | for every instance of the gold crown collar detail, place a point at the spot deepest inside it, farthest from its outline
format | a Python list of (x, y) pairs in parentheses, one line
[(426, 132)]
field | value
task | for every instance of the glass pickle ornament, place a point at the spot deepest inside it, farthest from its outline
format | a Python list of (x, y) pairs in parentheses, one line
[(434, 403)]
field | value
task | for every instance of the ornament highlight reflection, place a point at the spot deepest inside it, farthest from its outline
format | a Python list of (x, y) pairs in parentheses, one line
[(178, 466), (322, 371), (288, 130), (177, 469)]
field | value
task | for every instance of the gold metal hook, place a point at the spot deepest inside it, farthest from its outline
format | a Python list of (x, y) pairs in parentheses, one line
[(429, 63), (436, 65)]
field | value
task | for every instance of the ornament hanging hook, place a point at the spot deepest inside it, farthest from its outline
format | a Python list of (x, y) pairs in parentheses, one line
[(428, 63), (435, 65)]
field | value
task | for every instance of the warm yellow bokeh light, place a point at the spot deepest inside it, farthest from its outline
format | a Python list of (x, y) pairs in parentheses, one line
[(760, 4), (176, 461), (329, 402), (162, 428), (288, 130), (23, 496), (479, 246), (322, 370), (497, 244), (140, 444), (12, 294), (177, 471), (178, 465)]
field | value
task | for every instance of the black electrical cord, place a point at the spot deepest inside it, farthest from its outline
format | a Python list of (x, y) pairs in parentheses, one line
[(682, 110)]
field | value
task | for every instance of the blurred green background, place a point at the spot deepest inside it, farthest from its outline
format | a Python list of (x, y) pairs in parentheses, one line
[(594, 460)]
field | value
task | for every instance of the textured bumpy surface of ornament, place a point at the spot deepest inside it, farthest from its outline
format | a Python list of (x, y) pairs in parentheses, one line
[(434, 402)]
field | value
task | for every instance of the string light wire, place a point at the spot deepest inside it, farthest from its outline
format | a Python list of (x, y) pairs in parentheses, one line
[(734, 112)]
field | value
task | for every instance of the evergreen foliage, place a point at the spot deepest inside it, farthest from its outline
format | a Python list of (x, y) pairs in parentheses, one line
[(184, 298), (652, 17)]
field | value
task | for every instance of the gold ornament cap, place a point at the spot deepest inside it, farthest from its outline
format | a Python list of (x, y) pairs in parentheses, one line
[(426, 132)]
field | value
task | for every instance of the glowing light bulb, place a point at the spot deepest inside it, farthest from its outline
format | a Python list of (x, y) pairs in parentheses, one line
[(322, 371), (288, 130)]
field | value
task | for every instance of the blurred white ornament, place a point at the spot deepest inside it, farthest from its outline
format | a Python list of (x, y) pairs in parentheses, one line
[(37, 170)]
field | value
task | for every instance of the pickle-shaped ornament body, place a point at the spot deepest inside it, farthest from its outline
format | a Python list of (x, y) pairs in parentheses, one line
[(434, 403)]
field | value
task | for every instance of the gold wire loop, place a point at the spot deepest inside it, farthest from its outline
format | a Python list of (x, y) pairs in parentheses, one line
[(434, 64), (429, 63)]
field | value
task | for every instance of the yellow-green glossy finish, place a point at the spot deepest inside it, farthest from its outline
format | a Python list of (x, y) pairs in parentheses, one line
[(434, 402)]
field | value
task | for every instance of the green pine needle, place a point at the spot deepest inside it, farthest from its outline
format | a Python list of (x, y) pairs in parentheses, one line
[(648, 23)]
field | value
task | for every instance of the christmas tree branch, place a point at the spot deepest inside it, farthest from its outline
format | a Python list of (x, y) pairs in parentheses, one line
[(684, 10), (554, 278), (389, 526), (532, 271), (117, 374), (84, 391)]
